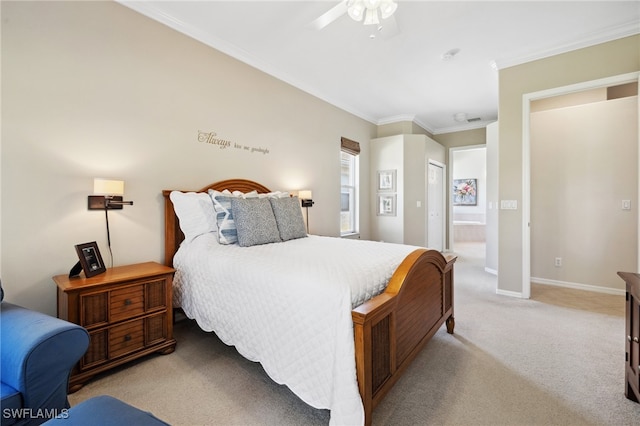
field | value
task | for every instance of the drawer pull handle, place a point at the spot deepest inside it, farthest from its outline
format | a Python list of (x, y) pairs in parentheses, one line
[(127, 337), (127, 302), (635, 339), (629, 338)]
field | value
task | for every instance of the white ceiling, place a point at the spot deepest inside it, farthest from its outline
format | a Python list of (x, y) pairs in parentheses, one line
[(399, 75)]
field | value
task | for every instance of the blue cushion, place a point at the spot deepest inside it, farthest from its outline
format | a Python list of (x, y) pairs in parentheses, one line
[(105, 411), (12, 401), (38, 352)]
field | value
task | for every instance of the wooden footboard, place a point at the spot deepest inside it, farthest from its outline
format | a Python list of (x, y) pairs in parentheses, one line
[(391, 328)]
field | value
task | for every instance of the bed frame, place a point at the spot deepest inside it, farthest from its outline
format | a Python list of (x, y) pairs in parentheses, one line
[(389, 329)]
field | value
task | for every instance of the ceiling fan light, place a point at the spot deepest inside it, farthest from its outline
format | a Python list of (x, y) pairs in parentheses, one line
[(387, 8), (371, 17), (355, 10)]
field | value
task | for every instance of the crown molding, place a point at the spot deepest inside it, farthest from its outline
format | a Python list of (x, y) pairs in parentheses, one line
[(462, 127), (148, 10), (612, 33)]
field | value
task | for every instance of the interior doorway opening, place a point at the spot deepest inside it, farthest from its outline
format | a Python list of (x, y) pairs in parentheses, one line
[(548, 96), (468, 200)]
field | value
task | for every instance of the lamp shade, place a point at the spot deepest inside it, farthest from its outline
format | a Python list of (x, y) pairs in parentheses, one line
[(305, 194), (108, 187)]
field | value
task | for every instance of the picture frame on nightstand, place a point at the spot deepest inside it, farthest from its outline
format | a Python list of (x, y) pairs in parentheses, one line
[(90, 259)]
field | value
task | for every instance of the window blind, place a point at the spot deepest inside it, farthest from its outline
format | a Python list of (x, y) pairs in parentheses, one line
[(349, 146)]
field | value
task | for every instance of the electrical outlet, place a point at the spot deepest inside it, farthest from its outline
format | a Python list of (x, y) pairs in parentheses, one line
[(558, 262), (626, 204)]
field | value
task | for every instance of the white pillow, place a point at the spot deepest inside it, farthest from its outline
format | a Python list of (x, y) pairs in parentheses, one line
[(195, 212), (275, 194)]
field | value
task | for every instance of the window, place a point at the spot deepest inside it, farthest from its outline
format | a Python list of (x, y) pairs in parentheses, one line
[(349, 187)]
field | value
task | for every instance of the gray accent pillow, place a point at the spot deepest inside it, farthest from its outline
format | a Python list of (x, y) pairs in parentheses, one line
[(254, 221), (289, 218)]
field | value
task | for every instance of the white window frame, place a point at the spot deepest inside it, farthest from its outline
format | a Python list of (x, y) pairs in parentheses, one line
[(352, 189)]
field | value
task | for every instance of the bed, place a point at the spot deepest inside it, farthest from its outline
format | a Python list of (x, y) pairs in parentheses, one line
[(383, 334)]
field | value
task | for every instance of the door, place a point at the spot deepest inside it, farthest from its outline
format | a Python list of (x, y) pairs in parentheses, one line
[(435, 206)]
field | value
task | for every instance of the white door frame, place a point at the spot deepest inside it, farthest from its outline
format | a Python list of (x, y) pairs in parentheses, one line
[(450, 185), (526, 160), (444, 203)]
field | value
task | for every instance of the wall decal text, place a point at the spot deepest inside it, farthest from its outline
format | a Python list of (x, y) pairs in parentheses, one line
[(211, 138)]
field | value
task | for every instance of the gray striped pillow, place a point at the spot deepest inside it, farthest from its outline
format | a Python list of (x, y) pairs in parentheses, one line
[(227, 232)]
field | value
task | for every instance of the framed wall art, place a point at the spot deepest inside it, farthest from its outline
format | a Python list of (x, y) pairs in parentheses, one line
[(465, 192), (387, 180), (386, 205)]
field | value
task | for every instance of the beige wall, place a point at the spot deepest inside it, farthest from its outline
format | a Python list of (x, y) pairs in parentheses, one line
[(387, 154), (608, 59), (408, 155), (583, 164), (93, 89)]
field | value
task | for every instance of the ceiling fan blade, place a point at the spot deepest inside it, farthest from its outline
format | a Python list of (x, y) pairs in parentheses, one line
[(329, 16)]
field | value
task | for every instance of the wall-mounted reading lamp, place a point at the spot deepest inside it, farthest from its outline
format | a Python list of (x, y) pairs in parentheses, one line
[(306, 199), (107, 196)]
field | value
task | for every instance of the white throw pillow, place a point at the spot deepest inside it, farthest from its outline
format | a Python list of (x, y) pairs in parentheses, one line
[(195, 213)]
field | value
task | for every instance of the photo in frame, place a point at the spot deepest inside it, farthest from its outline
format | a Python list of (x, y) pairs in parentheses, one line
[(90, 259), (386, 205), (387, 180), (465, 192)]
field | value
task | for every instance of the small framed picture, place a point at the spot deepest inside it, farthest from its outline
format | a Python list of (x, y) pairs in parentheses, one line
[(465, 192), (90, 259), (386, 204), (387, 180)]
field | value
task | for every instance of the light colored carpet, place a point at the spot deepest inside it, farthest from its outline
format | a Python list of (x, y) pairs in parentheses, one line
[(510, 362)]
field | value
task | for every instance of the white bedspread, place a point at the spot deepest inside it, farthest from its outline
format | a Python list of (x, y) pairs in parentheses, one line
[(288, 306)]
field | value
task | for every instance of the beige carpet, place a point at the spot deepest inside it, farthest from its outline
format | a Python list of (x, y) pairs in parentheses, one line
[(510, 362)]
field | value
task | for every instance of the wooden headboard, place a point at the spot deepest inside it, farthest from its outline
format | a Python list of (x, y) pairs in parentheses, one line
[(173, 236)]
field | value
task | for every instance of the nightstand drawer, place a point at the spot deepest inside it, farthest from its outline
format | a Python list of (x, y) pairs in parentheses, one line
[(126, 302), (125, 338), (93, 309)]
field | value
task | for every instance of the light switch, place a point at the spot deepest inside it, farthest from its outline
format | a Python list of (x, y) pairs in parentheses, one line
[(509, 204), (418, 203)]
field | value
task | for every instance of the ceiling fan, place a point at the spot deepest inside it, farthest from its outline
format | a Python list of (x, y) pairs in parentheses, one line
[(373, 13)]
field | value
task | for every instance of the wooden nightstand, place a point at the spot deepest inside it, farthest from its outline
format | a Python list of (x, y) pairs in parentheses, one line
[(632, 345), (127, 311)]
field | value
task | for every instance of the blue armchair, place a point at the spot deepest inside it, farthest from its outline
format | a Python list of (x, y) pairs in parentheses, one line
[(37, 353)]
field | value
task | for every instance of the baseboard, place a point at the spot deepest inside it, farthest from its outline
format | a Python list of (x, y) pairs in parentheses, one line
[(579, 286), (354, 236), (491, 271), (510, 293)]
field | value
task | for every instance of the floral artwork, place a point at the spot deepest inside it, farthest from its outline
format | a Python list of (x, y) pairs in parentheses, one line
[(465, 192)]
